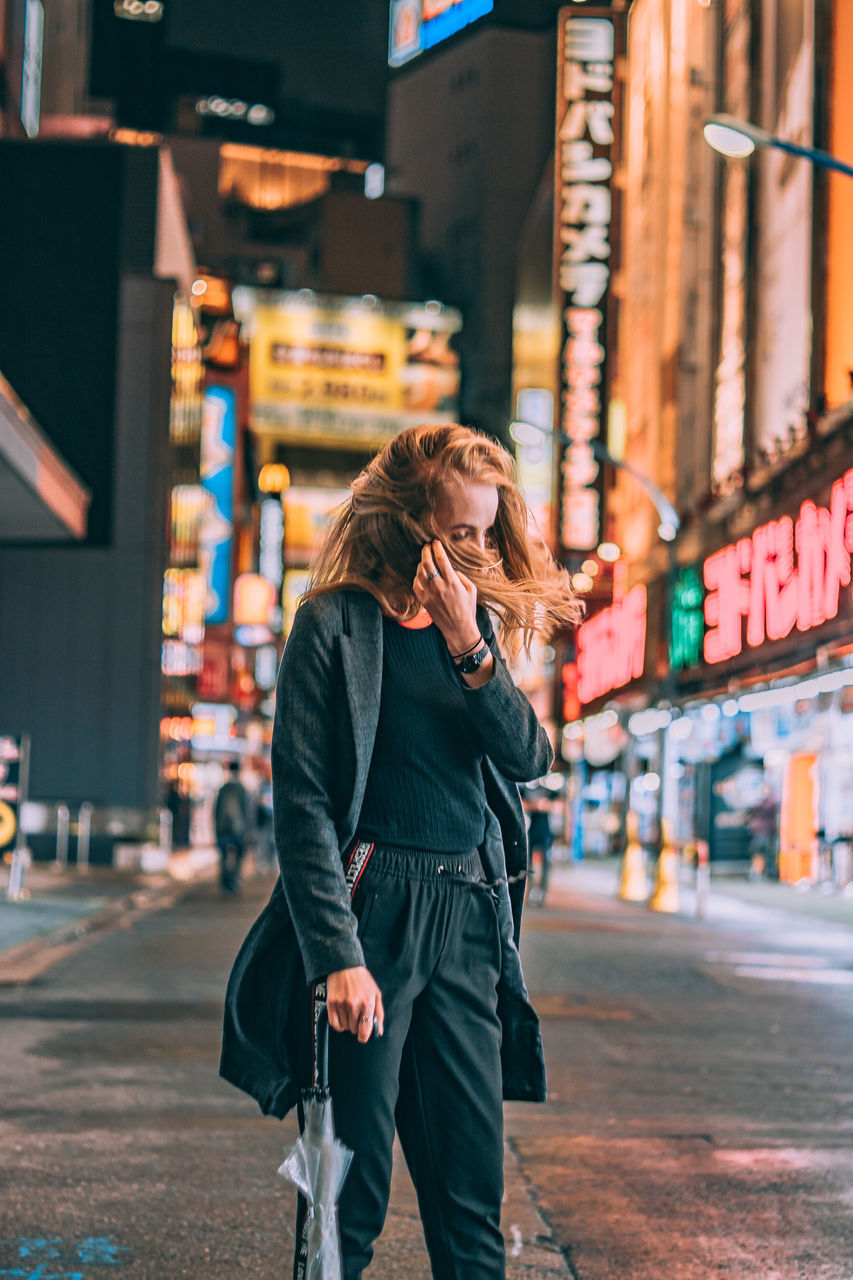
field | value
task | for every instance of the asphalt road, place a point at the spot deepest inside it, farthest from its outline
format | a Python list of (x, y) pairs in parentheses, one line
[(701, 1117), (700, 1122)]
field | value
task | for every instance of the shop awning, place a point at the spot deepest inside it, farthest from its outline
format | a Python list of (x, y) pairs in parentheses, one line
[(41, 500)]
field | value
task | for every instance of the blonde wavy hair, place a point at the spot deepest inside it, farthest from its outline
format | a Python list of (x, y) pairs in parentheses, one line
[(375, 538)]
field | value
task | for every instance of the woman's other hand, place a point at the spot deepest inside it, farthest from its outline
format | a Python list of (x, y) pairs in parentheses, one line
[(448, 596), (353, 1000)]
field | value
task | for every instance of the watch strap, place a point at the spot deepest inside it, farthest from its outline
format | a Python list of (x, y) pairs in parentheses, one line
[(473, 661)]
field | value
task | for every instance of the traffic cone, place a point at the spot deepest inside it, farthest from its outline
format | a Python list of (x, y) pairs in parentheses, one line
[(633, 881), (666, 895)]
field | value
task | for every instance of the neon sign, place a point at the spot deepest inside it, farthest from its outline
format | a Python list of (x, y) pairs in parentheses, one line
[(218, 435), (582, 250), (612, 646), (688, 622), (788, 574)]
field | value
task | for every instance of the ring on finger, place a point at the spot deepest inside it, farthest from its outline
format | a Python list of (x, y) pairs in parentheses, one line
[(364, 1018), (432, 575)]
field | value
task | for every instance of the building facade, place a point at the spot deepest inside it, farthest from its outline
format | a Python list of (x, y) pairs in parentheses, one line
[(733, 399)]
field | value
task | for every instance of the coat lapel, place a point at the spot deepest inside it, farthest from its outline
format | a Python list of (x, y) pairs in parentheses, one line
[(361, 660)]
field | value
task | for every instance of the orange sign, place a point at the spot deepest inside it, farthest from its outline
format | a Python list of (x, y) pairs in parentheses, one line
[(254, 600)]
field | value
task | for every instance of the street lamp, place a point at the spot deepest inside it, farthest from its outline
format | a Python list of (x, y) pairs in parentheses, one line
[(739, 138), (670, 523)]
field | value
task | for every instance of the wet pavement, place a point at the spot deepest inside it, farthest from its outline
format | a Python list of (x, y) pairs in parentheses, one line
[(700, 1120)]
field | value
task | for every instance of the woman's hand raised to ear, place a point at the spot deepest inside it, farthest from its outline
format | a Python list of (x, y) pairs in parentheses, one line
[(448, 596)]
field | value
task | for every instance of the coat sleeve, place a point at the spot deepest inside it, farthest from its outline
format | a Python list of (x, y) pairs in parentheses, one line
[(303, 767), (504, 722)]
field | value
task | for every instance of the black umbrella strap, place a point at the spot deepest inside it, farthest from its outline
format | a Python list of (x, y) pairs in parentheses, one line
[(355, 864), (318, 1016)]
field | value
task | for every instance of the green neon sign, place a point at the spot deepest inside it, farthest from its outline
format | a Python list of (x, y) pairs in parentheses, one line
[(688, 620)]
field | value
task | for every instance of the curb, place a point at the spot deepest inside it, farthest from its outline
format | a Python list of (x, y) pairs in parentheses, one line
[(24, 963)]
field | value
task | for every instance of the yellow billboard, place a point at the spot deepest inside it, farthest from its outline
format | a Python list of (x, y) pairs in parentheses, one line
[(347, 371)]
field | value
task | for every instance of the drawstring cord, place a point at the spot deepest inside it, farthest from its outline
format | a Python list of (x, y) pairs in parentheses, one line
[(492, 887)]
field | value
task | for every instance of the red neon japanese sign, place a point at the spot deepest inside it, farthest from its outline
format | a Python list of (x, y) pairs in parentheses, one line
[(612, 646), (788, 574)]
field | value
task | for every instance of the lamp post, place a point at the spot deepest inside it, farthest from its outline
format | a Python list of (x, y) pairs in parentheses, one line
[(737, 139), (670, 523), (526, 433)]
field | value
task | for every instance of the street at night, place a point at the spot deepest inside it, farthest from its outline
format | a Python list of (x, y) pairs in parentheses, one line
[(698, 1125), (426, 492)]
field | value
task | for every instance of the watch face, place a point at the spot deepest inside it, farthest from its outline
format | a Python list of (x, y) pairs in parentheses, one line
[(473, 662)]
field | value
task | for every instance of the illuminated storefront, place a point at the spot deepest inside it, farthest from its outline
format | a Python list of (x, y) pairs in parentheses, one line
[(762, 647), (603, 690)]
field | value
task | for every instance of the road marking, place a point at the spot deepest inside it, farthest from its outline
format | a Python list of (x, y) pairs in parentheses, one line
[(35, 1251), (767, 959), (781, 966), (827, 977)]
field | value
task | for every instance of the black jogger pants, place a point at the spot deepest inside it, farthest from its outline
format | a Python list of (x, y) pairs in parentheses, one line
[(431, 940)]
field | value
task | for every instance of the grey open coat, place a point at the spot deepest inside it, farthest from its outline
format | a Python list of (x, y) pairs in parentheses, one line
[(327, 709)]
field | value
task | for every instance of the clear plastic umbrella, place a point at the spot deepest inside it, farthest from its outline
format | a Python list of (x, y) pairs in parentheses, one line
[(318, 1165)]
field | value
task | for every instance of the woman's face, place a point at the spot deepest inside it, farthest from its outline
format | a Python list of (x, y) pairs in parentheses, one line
[(465, 511)]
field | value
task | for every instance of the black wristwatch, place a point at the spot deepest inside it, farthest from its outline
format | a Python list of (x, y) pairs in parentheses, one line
[(473, 661)]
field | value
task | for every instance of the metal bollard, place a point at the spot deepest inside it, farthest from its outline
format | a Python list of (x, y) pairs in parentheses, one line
[(166, 832), (703, 878), (21, 859), (63, 822), (84, 831)]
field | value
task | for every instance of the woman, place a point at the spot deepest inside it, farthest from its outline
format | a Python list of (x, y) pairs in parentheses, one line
[(399, 740)]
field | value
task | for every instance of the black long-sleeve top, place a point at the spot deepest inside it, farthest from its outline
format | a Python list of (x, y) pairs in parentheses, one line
[(425, 786)]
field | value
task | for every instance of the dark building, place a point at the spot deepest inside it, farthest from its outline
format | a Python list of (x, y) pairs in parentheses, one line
[(204, 64), (85, 342), (470, 136)]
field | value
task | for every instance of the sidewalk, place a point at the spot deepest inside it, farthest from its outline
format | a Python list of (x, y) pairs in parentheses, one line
[(728, 895), (63, 906), (196, 1151)]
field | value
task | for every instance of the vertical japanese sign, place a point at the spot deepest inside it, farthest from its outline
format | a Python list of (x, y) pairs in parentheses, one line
[(590, 42), (218, 438), (782, 339), (730, 379)]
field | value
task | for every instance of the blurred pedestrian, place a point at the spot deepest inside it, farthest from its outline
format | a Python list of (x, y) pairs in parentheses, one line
[(763, 821), (265, 858), (539, 804), (232, 824), (399, 739)]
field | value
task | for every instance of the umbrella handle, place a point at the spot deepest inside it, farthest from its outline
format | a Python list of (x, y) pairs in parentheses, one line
[(321, 1045)]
